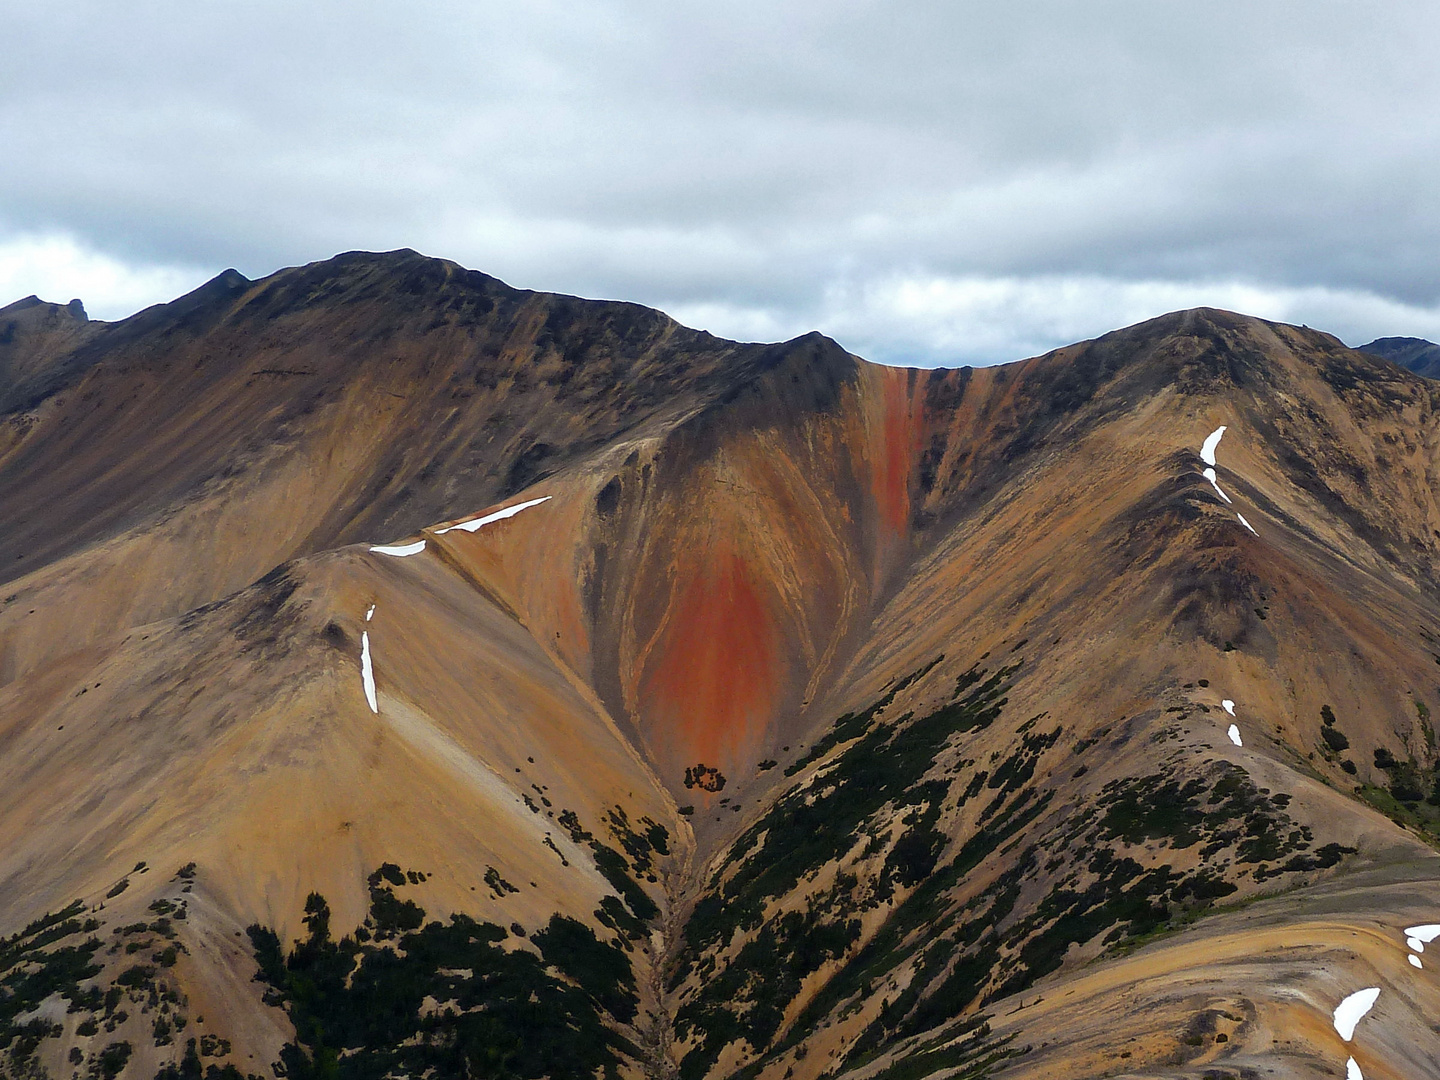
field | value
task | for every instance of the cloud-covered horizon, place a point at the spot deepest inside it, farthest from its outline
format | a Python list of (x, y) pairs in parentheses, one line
[(926, 183)]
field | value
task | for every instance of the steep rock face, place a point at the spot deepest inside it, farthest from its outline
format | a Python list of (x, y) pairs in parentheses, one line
[(735, 709)]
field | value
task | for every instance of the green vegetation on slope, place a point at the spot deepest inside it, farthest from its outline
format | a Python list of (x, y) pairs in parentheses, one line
[(447, 999), (865, 833)]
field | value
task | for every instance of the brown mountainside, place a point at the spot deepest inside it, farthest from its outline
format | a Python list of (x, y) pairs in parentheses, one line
[(797, 717)]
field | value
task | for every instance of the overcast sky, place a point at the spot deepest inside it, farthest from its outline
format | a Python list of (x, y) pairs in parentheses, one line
[(939, 182)]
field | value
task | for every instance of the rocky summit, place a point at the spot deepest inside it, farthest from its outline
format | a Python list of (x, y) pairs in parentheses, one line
[(406, 675)]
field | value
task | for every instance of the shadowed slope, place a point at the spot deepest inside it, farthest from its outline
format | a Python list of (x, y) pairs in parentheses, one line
[(1413, 354)]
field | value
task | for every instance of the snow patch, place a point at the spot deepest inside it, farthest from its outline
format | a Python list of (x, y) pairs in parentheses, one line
[(1234, 734), (370, 614), (1424, 932), (499, 515), (1353, 1009), (1352, 1071), (1207, 452), (1415, 943), (1246, 523), (367, 671), (1414, 961), (1228, 706), (1209, 474), (399, 550)]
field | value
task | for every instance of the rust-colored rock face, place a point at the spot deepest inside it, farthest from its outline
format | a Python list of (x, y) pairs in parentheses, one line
[(413, 676), (711, 687)]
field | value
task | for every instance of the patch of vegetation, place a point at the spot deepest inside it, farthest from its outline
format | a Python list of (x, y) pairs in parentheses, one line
[(613, 865), (866, 830), (189, 1067), (704, 777), (390, 915), (499, 887), (111, 1060), (360, 1009), (882, 773), (972, 1053), (1411, 795), (43, 959)]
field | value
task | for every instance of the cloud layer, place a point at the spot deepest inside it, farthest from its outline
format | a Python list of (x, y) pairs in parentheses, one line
[(927, 182)]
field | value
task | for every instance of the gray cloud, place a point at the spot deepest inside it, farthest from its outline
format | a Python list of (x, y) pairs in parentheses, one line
[(759, 167)]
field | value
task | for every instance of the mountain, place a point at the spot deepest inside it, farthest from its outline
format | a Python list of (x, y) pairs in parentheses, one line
[(32, 335), (404, 674), (1414, 354)]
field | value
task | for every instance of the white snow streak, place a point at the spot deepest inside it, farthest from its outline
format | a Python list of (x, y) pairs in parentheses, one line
[(1352, 1071), (498, 515), (1246, 523), (1209, 474), (367, 672), (400, 550), (370, 614), (1228, 706), (1234, 734), (1350, 1011), (1415, 943), (1414, 961), (1207, 452), (1424, 932)]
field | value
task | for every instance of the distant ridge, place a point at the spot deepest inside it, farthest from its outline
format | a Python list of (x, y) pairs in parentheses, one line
[(1413, 353)]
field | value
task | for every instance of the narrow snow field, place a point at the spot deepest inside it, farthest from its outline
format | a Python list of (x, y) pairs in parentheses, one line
[(1228, 706), (1423, 933), (1234, 734), (1352, 1071), (367, 672), (1207, 452), (1353, 1009), (498, 515), (399, 550), (1246, 523), (1209, 474), (370, 614)]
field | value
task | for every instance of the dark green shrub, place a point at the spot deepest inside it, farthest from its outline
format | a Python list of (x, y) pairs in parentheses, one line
[(112, 1059)]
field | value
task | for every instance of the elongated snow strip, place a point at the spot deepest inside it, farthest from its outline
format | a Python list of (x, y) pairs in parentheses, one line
[(1234, 734), (1207, 452), (399, 550), (498, 515), (1353, 1009), (370, 614), (1246, 523), (1352, 1071), (367, 671), (1424, 932), (1209, 474), (1228, 706)]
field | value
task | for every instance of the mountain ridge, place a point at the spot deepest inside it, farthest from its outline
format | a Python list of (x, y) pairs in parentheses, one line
[(841, 708)]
